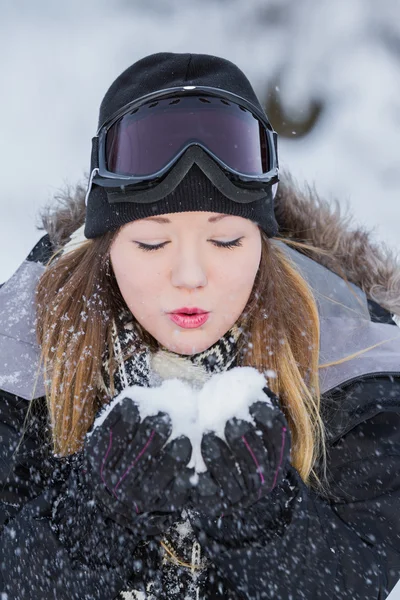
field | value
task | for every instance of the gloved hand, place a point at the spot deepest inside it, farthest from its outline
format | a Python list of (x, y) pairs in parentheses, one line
[(139, 481), (249, 466)]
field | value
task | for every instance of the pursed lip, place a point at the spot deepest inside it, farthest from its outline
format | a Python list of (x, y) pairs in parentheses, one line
[(188, 311)]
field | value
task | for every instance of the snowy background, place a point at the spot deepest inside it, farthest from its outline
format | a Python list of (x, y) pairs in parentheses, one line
[(328, 73)]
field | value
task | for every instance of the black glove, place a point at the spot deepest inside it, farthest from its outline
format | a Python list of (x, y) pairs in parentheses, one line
[(139, 481), (249, 466)]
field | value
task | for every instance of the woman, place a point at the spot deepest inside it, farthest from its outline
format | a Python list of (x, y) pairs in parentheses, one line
[(181, 274)]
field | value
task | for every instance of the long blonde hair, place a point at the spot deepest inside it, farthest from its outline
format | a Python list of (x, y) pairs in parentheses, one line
[(78, 295)]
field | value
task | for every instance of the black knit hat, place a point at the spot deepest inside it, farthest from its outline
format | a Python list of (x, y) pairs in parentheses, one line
[(195, 192)]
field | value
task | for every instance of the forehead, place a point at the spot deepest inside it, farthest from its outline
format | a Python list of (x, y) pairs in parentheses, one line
[(185, 219), (208, 217)]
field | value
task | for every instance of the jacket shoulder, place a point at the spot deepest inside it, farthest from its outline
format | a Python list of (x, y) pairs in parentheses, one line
[(19, 351)]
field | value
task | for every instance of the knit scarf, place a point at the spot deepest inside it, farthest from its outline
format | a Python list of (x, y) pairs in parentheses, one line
[(137, 365)]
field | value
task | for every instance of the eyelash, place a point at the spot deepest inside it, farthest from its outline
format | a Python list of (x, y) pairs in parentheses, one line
[(232, 244), (148, 247), (229, 245)]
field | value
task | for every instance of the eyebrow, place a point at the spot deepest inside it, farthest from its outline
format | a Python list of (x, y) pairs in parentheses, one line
[(163, 220), (157, 219), (217, 218)]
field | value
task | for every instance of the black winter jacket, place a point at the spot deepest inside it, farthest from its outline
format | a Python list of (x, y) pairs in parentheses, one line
[(301, 545), (297, 544)]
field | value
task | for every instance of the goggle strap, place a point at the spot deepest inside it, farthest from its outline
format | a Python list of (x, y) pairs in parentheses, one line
[(90, 183), (94, 159), (275, 138), (94, 166)]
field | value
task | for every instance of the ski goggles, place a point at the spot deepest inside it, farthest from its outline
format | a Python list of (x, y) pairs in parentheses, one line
[(140, 144)]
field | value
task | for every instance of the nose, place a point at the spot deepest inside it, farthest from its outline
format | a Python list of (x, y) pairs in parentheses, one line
[(188, 270)]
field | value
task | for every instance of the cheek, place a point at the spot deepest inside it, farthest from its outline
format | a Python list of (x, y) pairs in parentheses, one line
[(140, 285), (238, 274)]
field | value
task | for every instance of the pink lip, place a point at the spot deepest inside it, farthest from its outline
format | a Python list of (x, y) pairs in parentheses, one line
[(189, 318), (188, 311)]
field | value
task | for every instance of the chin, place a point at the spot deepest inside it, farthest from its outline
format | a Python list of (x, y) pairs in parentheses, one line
[(189, 342)]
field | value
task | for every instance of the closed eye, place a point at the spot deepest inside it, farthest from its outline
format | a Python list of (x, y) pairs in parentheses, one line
[(232, 244), (150, 247)]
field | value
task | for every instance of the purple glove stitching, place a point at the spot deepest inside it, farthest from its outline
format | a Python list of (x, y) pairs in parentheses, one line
[(143, 450), (280, 458), (253, 456)]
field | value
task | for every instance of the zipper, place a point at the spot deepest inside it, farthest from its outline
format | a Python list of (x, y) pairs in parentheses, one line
[(196, 562), (196, 556)]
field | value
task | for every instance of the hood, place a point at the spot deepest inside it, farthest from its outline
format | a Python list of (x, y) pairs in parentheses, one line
[(303, 216)]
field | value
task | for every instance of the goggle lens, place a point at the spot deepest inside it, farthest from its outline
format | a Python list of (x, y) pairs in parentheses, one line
[(145, 140)]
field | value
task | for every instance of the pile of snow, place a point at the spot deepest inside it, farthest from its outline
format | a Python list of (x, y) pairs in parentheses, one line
[(194, 411)]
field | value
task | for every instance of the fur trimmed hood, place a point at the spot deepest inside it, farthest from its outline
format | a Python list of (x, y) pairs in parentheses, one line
[(303, 216)]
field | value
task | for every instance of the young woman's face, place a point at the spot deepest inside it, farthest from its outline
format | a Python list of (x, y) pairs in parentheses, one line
[(177, 263)]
